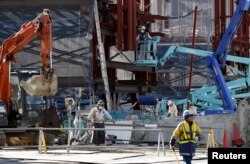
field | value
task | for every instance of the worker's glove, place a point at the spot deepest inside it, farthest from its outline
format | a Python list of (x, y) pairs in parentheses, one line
[(196, 139), (172, 142)]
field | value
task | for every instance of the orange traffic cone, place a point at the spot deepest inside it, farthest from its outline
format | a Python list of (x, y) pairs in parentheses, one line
[(237, 140), (225, 139)]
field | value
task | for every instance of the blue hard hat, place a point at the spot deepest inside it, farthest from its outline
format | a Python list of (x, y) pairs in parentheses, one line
[(187, 113)]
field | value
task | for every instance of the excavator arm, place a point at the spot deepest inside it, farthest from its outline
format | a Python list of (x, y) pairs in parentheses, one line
[(38, 85)]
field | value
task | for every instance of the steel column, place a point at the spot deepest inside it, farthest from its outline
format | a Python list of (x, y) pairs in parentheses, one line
[(119, 25), (131, 23), (192, 57), (223, 16), (217, 30)]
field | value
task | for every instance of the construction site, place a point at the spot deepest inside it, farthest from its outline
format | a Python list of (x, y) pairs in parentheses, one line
[(61, 60)]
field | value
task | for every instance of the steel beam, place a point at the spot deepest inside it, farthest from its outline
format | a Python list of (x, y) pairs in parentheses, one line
[(126, 88), (217, 27), (128, 66), (131, 23), (119, 25)]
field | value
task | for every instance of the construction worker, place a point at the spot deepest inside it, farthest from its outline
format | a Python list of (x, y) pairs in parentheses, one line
[(142, 38), (172, 109), (188, 132), (192, 108), (97, 115), (143, 35)]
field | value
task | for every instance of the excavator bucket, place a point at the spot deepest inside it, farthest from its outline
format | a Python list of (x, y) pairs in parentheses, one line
[(37, 85)]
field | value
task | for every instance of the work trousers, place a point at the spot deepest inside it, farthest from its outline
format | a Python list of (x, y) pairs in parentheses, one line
[(143, 52), (187, 159), (98, 136)]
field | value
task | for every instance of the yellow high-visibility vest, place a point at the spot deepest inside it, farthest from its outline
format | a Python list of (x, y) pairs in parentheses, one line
[(183, 132)]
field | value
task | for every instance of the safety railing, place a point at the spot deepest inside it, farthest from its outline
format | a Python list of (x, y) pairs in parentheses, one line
[(42, 147)]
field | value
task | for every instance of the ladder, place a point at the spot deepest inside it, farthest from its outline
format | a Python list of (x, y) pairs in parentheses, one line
[(102, 56)]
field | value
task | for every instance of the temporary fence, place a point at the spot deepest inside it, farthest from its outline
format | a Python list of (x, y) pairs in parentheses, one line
[(42, 147), (211, 137)]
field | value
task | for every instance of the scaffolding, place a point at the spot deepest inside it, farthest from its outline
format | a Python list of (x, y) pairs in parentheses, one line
[(178, 30)]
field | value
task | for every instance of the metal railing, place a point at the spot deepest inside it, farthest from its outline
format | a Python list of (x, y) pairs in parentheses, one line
[(68, 146), (160, 142)]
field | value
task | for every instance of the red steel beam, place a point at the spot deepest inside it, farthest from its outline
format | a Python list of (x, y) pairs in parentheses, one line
[(241, 43), (147, 6), (119, 25), (217, 33), (231, 14), (131, 15), (223, 16), (134, 31), (192, 57)]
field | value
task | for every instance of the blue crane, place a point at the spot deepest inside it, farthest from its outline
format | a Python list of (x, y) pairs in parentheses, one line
[(207, 96), (215, 61)]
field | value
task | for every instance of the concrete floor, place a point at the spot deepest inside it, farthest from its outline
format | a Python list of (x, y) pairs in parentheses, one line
[(95, 157)]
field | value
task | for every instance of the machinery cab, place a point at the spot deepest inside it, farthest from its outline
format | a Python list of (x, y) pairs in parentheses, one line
[(26, 109), (146, 52)]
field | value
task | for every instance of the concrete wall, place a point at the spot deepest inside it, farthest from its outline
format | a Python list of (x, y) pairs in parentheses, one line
[(218, 122)]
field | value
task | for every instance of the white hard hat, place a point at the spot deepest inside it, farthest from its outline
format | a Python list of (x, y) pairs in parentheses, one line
[(187, 113), (170, 102), (143, 28), (69, 101)]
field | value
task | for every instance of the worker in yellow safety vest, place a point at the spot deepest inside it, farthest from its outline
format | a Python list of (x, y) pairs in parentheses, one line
[(188, 132)]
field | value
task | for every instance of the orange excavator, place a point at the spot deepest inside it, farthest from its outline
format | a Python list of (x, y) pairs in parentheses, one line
[(44, 84)]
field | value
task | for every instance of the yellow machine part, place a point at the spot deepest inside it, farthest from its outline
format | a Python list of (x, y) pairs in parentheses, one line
[(29, 139), (37, 85), (2, 138)]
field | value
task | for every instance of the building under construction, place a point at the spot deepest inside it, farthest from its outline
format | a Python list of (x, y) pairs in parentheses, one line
[(196, 54)]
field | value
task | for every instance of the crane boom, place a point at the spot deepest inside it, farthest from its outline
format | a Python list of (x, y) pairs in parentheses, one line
[(215, 61), (218, 58), (221, 52)]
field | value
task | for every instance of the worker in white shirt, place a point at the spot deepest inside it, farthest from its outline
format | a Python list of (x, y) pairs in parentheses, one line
[(142, 43), (172, 109), (97, 115), (192, 109)]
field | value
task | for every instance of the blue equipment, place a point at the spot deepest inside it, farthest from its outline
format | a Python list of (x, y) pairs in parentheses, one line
[(147, 100), (207, 97), (218, 58), (146, 52), (216, 61)]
